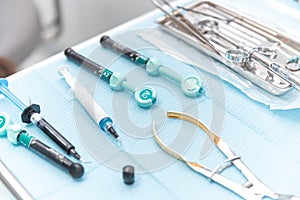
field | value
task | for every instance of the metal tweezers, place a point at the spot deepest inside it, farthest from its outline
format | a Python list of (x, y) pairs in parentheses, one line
[(252, 189)]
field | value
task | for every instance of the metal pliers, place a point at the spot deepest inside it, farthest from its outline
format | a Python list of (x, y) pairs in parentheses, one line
[(253, 189)]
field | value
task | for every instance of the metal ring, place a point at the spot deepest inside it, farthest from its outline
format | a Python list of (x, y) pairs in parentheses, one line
[(251, 51), (293, 64), (271, 53), (237, 55), (208, 25)]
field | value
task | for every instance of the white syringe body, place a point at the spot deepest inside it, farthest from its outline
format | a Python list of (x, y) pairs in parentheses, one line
[(87, 101)]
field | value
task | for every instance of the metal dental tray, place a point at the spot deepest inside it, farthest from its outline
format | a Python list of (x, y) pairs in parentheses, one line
[(264, 56)]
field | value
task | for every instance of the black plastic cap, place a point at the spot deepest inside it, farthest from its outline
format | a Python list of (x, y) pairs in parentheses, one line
[(128, 174), (76, 170), (26, 115), (68, 51), (103, 38)]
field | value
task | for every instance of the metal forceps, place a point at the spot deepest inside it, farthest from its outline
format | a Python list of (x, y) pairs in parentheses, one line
[(184, 23), (244, 53), (253, 189), (247, 54)]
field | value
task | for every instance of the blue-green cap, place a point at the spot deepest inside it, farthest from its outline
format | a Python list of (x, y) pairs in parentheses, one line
[(4, 122), (145, 96), (13, 131), (116, 80), (191, 86)]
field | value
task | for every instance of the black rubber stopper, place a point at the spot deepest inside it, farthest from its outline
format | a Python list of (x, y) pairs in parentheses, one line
[(26, 114), (103, 38), (68, 51), (74, 56), (76, 170), (128, 174)]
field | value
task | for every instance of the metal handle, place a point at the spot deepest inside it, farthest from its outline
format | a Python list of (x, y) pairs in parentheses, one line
[(14, 186)]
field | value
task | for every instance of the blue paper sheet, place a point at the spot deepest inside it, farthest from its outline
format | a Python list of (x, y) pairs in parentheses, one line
[(268, 141)]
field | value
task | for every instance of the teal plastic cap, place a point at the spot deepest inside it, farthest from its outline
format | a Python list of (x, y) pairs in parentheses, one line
[(13, 131), (4, 122), (116, 80), (152, 66), (191, 86), (145, 96)]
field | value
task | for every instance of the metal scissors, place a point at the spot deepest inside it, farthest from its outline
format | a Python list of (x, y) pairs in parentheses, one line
[(253, 189)]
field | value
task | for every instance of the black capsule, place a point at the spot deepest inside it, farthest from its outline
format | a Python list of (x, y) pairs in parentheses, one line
[(128, 174), (76, 170)]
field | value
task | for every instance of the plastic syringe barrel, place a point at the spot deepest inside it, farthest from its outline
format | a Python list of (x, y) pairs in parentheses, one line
[(9, 95)]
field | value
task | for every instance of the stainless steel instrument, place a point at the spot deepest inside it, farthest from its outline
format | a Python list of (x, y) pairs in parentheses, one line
[(263, 55), (253, 189), (14, 186)]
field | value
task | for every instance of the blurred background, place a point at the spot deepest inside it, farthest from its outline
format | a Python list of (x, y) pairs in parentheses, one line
[(32, 30)]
